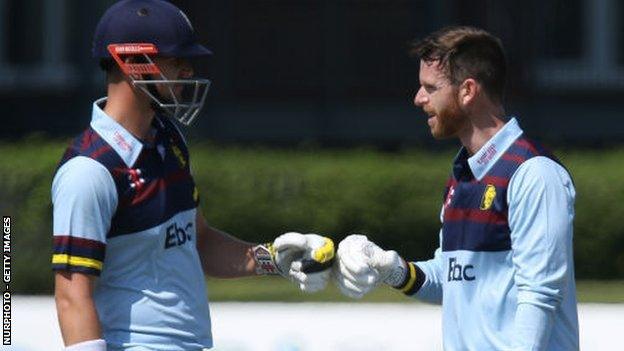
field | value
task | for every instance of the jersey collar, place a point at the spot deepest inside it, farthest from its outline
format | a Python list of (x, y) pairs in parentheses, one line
[(481, 162), (123, 142)]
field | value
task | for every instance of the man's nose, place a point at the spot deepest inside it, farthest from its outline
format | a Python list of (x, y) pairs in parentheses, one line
[(420, 98)]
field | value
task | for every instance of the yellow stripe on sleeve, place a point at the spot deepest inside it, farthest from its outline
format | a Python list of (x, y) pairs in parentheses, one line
[(76, 261)]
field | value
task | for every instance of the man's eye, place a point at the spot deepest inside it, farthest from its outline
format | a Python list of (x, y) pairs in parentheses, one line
[(429, 88)]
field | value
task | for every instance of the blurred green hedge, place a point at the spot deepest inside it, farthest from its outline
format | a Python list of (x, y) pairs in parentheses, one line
[(257, 194)]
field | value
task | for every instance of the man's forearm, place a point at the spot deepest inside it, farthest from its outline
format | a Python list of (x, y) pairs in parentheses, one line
[(78, 319), (228, 257), (223, 255)]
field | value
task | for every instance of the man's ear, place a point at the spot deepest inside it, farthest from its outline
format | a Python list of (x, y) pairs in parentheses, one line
[(468, 91)]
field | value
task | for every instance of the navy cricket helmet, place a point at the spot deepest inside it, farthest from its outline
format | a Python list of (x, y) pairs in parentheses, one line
[(146, 28)]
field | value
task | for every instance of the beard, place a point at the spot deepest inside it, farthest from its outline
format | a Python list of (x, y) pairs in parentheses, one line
[(448, 121)]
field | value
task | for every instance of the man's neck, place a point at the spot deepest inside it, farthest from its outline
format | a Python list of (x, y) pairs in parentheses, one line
[(481, 128), (129, 110)]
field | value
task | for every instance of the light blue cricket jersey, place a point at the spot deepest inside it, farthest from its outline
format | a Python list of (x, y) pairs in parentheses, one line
[(504, 271), (125, 210)]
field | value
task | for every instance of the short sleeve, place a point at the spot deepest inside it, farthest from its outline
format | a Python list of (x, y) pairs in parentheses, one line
[(84, 198)]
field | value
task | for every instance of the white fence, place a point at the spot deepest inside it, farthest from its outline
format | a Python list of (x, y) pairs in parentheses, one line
[(313, 326)]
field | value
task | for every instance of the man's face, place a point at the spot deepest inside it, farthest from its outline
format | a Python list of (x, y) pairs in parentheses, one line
[(438, 97), (173, 69)]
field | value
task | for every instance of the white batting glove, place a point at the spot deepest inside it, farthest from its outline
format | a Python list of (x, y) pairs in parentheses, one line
[(361, 265), (305, 259)]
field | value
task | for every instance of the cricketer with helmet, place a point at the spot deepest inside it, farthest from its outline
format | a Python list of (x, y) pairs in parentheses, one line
[(131, 247)]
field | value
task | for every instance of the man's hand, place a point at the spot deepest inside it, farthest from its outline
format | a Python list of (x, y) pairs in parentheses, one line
[(305, 259), (361, 265)]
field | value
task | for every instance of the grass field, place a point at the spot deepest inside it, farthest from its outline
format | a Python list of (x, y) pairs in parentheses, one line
[(257, 194), (279, 289)]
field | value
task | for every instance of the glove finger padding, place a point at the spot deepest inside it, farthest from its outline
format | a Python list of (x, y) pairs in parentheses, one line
[(361, 265), (321, 257), (391, 267), (352, 254), (304, 259), (288, 247), (290, 240), (368, 276), (354, 284), (349, 288), (315, 251), (284, 259), (354, 263), (308, 282), (313, 286)]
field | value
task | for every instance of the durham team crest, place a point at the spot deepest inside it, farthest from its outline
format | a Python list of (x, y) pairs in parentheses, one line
[(488, 197)]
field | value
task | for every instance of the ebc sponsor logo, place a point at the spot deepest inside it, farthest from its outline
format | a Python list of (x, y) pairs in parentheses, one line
[(176, 236), (458, 272)]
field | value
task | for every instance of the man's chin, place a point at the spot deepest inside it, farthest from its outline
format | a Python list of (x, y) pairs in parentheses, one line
[(439, 134)]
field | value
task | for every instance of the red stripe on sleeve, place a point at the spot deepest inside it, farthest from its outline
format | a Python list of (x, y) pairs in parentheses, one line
[(79, 242)]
